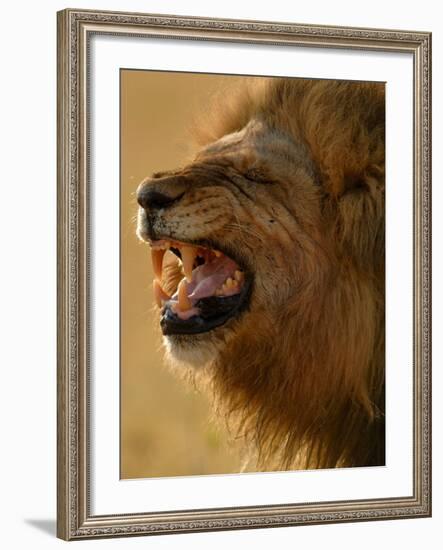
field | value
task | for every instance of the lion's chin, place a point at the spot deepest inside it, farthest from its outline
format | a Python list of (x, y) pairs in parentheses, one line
[(198, 350)]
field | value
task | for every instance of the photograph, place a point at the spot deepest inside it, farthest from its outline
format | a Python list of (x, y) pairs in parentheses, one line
[(243, 330), (252, 273)]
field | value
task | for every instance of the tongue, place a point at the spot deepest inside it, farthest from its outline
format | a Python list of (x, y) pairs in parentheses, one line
[(209, 277), (207, 287), (205, 280)]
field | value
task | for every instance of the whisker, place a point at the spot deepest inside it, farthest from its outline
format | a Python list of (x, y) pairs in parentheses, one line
[(244, 229)]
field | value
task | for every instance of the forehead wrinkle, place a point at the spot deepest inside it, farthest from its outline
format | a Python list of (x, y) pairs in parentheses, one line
[(271, 148)]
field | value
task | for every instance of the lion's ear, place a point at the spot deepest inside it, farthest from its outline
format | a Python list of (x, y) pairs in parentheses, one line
[(344, 127), (349, 172), (351, 166), (360, 225)]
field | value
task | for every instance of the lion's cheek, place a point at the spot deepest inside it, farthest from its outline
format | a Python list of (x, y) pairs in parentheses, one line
[(271, 290)]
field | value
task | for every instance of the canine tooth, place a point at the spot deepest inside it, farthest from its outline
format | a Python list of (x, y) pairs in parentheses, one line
[(160, 295), (229, 282), (157, 261), (217, 253), (183, 301), (188, 254)]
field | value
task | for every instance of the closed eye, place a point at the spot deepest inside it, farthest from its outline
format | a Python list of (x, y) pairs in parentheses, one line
[(256, 176), (236, 182)]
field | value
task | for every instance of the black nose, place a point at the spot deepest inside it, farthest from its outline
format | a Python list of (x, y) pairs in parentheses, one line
[(150, 199)]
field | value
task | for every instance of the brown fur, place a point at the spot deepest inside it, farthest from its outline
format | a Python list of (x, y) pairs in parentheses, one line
[(296, 189)]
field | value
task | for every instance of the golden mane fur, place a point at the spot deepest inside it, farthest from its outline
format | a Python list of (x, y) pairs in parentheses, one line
[(302, 370)]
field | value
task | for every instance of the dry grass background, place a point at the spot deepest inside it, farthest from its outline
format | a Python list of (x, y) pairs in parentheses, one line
[(166, 426)]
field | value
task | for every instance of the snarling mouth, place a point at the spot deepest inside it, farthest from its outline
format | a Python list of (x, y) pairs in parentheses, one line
[(210, 288)]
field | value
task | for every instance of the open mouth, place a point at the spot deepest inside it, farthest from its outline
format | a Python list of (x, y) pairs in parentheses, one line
[(210, 287)]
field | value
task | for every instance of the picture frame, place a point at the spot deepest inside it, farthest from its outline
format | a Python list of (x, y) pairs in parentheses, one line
[(78, 416)]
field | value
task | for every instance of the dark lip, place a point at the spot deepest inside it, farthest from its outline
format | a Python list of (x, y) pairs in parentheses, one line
[(228, 308)]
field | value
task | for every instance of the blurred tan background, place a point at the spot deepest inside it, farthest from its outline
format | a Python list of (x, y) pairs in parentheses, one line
[(166, 427)]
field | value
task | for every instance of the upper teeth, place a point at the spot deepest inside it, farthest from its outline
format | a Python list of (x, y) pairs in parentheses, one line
[(188, 255), (157, 255)]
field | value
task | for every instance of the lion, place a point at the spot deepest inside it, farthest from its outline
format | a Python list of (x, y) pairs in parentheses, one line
[(276, 287)]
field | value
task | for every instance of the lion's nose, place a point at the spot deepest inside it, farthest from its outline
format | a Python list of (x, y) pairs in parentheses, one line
[(152, 199)]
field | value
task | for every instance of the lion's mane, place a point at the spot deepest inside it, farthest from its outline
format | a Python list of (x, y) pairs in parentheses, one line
[(307, 387)]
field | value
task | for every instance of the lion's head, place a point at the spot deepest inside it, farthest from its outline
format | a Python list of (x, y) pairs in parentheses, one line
[(277, 286)]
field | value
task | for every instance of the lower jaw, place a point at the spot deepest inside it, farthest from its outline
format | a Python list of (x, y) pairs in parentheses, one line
[(215, 313)]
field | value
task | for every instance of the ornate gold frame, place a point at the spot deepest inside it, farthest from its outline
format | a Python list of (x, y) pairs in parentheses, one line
[(75, 27)]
